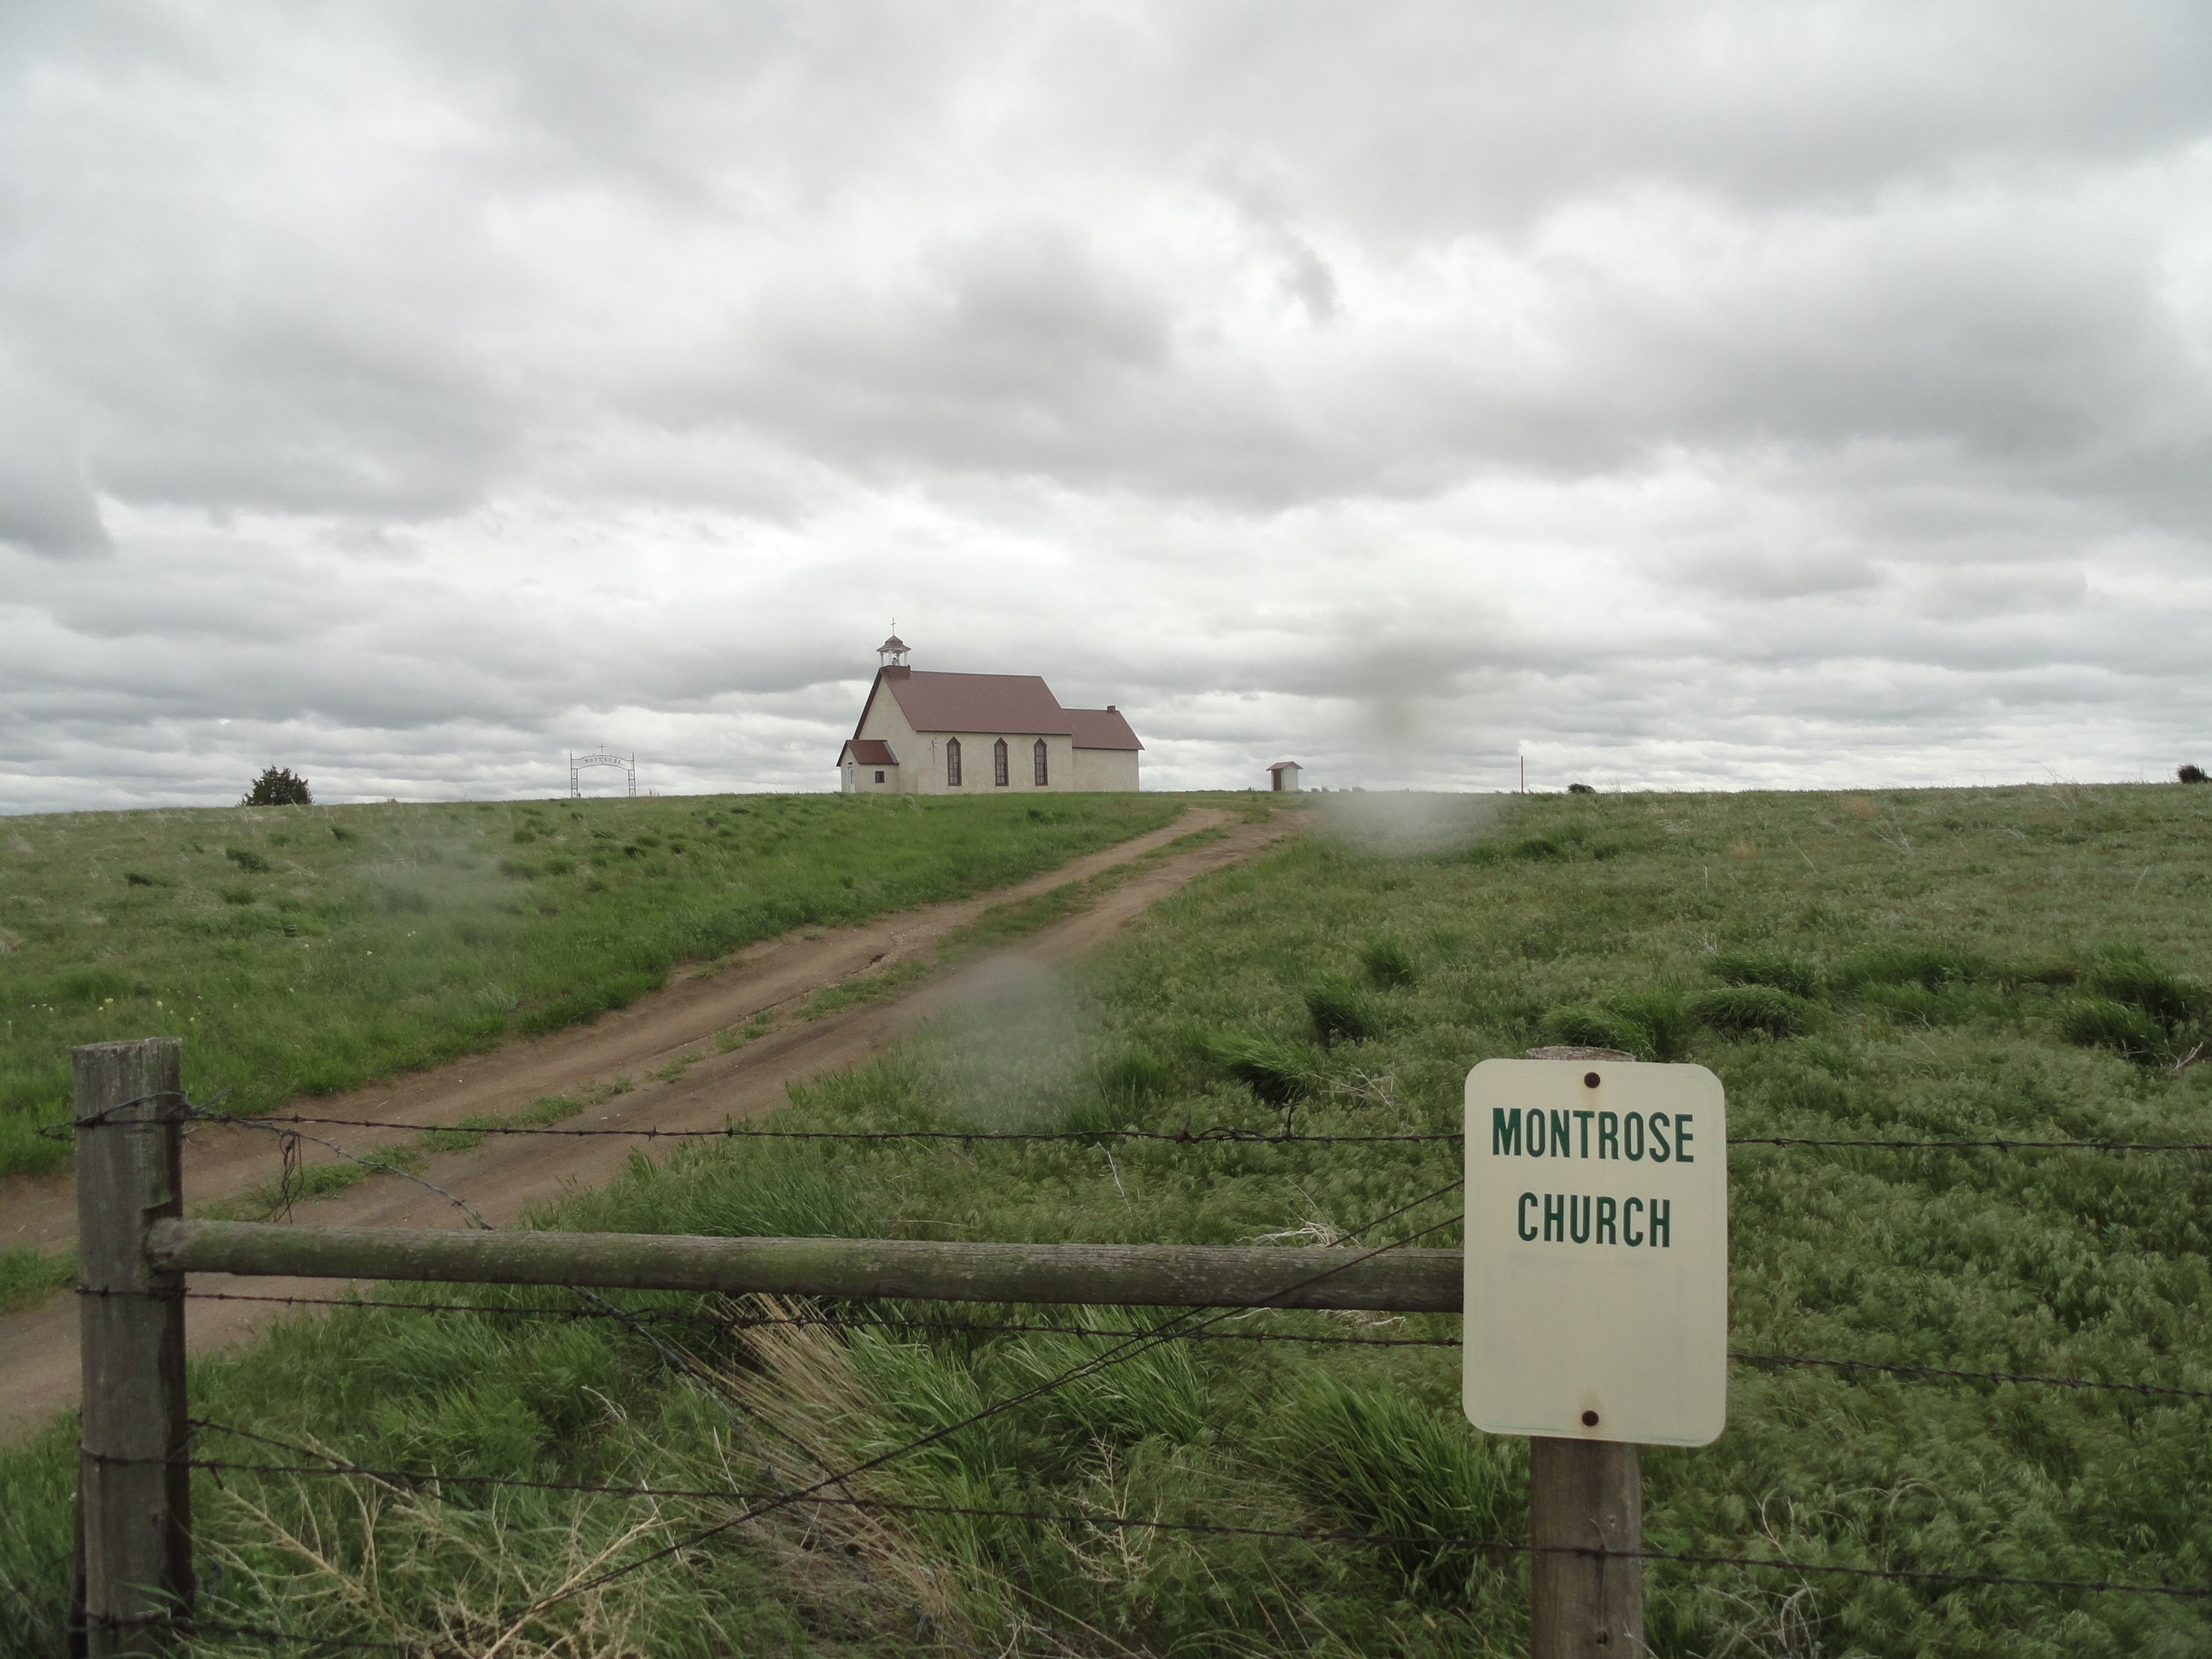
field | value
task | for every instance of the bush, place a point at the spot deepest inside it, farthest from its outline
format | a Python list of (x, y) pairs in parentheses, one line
[(246, 859), (278, 788), (2101, 1022), (1342, 1013), (1388, 963), (1580, 789), (1782, 972), (2190, 775), (1741, 1010)]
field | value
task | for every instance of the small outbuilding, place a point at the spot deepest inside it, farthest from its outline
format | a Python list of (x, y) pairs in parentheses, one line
[(1283, 777)]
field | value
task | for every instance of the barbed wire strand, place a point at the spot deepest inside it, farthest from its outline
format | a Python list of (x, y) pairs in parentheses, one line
[(998, 1327), (1994, 1144), (1224, 1134), (1219, 1135), (1949, 1373)]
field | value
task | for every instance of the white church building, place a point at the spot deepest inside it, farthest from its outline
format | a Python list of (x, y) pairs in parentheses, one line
[(928, 733)]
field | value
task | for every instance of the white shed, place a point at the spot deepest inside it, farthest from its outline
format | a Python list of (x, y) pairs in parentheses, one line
[(1283, 777)]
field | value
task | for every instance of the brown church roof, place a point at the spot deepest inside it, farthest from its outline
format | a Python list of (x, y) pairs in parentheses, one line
[(977, 702), (1101, 728), (870, 751)]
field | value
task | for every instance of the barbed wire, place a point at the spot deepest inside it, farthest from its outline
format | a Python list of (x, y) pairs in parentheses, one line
[(1215, 1135), (281, 1123), (1949, 1374), (1998, 1145), (998, 1327)]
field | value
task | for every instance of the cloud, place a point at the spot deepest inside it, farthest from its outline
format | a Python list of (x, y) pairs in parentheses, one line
[(1695, 393)]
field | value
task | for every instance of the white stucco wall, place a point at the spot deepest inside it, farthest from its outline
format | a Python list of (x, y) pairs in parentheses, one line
[(976, 763), (855, 779), (1106, 769)]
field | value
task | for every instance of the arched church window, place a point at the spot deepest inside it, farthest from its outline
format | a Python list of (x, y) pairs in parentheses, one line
[(952, 763), (1038, 759), (999, 763)]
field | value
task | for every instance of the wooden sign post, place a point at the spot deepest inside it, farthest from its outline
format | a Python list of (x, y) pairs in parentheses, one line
[(1596, 1311)]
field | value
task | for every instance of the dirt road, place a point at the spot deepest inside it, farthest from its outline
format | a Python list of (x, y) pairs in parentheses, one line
[(507, 1175)]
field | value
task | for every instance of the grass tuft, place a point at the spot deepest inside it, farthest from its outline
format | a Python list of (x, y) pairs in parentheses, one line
[(1931, 966), (1390, 964), (2105, 1023), (27, 1276), (1749, 1010), (2127, 974), (1277, 1072), (1393, 1467), (1655, 1024), (1342, 1012), (1797, 977)]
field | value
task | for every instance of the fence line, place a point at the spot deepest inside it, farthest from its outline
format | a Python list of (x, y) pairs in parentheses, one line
[(139, 1458)]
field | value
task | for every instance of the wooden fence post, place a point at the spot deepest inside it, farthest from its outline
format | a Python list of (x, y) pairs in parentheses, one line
[(133, 1489), (1585, 1495)]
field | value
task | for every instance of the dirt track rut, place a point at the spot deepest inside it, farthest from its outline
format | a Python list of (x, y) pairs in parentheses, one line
[(507, 1175)]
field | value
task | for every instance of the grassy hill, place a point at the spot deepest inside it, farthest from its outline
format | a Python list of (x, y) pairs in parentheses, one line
[(305, 949), (2024, 963)]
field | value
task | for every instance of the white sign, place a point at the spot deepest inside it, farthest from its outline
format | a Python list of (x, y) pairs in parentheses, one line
[(1597, 1251)]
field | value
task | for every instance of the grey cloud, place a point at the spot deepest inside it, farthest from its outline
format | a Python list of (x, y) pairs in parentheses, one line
[(46, 503), (1719, 393)]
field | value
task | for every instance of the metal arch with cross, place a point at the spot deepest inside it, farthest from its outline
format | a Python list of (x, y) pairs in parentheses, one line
[(604, 757)]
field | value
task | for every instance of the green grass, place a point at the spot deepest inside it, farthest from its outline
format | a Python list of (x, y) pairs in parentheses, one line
[(1934, 951), (27, 1275), (307, 950)]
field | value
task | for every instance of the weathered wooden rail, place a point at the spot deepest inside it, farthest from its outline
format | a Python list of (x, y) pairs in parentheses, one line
[(1117, 1275)]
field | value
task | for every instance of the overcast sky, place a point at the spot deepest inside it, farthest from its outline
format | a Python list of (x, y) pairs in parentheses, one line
[(1691, 395)]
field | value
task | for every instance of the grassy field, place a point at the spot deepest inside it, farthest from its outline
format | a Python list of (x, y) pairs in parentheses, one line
[(305, 949), (2025, 962)]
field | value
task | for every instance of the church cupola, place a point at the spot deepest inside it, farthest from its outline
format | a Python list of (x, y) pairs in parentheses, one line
[(891, 654)]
